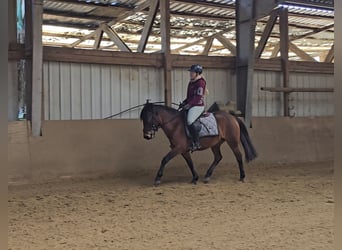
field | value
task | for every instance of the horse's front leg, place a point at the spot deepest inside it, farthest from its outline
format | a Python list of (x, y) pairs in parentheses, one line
[(164, 161)]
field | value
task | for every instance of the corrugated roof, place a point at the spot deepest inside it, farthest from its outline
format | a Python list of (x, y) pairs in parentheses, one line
[(189, 20)]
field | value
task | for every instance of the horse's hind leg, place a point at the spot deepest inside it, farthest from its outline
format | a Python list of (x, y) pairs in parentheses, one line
[(238, 156), (188, 160), (217, 158)]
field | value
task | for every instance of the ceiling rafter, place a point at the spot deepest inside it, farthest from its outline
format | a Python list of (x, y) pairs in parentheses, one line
[(133, 25)]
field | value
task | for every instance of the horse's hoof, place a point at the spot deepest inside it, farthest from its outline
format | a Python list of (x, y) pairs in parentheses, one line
[(157, 183), (194, 182), (206, 180), (242, 180)]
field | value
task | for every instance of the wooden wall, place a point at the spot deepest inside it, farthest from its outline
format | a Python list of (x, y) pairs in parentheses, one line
[(302, 104), (82, 84), (92, 91)]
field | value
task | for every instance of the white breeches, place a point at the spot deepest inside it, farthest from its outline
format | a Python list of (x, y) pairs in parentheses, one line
[(194, 113)]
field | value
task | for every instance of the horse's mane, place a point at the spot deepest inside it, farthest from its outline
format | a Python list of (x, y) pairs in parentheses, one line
[(152, 106), (167, 108)]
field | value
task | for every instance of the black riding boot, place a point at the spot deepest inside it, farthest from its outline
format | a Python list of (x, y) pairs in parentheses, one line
[(195, 137)]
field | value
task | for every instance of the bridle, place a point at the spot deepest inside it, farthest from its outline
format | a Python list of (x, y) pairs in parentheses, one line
[(155, 124)]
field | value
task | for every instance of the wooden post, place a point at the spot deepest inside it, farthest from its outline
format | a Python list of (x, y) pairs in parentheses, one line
[(12, 65), (284, 51), (208, 45), (165, 39), (266, 34), (330, 55), (28, 61), (98, 39), (148, 25), (37, 67), (275, 50)]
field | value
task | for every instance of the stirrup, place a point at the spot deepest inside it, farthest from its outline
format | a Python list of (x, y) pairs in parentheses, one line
[(195, 146)]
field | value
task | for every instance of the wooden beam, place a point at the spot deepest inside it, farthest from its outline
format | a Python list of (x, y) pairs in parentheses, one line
[(156, 59), (202, 39), (315, 31), (208, 46), (266, 33), (148, 25), (213, 62), (290, 90), (226, 43), (82, 39), (115, 38), (59, 54), (284, 53), (115, 20), (129, 13), (330, 56), (294, 38), (295, 66), (275, 50), (78, 15), (205, 4), (301, 53), (98, 39), (93, 5), (189, 45), (37, 68), (165, 40)]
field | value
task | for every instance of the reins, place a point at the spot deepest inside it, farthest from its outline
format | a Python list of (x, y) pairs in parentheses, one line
[(164, 123)]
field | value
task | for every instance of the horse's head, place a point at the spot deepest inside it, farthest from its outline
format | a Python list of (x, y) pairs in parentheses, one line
[(149, 117)]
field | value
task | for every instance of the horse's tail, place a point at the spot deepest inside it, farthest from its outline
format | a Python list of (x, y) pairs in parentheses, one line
[(250, 152)]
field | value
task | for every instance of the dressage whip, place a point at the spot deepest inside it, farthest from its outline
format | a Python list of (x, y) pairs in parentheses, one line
[(135, 107)]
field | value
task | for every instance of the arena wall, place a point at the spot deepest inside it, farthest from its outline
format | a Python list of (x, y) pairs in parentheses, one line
[(96, 147)]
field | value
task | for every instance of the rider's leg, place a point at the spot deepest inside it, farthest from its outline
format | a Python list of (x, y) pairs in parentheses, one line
[(193, 114)]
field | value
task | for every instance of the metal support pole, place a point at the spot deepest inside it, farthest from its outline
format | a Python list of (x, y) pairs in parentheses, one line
[(245, 36)]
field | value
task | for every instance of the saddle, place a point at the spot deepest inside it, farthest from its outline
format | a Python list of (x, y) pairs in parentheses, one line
[(205, 124)]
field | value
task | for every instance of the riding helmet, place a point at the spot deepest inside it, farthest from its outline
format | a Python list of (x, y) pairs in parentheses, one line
[(196, 68)]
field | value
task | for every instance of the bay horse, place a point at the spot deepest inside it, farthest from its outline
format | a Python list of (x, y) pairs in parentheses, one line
[(231, 129)]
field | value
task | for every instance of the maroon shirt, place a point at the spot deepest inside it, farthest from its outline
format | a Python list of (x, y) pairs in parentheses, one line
[(195, 93)]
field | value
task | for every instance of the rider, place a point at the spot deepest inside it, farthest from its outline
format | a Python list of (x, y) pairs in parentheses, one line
[(194, 102)]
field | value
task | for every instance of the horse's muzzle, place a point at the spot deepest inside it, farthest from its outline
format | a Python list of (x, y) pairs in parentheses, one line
[(149, 135)]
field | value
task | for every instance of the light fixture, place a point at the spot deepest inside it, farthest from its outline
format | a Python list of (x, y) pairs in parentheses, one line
[(288, 6)]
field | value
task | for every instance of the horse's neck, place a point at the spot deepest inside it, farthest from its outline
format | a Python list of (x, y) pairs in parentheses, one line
[(168, 119)]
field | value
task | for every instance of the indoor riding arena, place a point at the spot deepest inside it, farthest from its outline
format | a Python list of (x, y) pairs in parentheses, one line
[(81, 173)]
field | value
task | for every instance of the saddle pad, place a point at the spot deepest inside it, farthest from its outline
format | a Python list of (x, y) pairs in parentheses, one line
[(209, 126)]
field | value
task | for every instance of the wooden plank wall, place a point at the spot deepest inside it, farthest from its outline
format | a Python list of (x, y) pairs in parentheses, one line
[(266, 103), (92, 91), (108, 83), (302, 104), (312, 104)]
